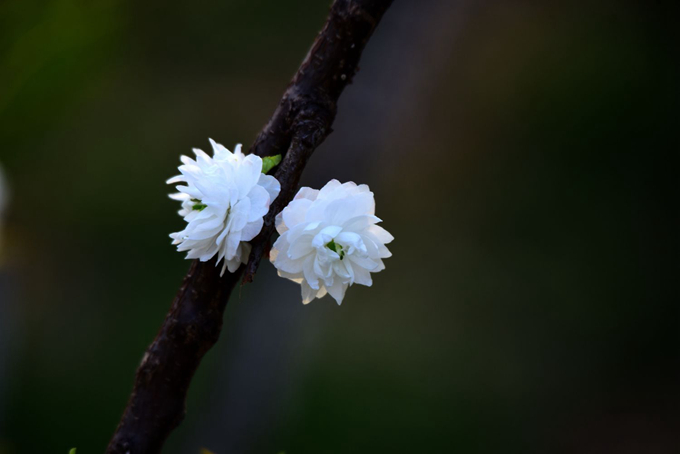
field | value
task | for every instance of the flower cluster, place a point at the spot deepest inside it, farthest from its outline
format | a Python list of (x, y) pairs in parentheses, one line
[(223, 202), (329, 238)]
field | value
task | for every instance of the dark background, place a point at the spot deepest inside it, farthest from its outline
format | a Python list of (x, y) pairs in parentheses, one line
[(519, 153)]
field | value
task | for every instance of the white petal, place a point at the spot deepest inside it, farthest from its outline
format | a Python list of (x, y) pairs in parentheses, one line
[(180, 196), (192, 191), (351, 242), (364, 262), (187, 161), (295, 277), (232, 242), (342, 210), (381, 234), (259, 203), (271, 185), (248, 174), (307, 193), (302, 229), (239, 214), (308, 293), (337, 291), (202, 158), (341, 270), (175, 179), (326, 235), (237, 151), (282, 261), (219, 149), (309, 274), (328, 188), (251, 229), (281, 226), (360, 222), (375, 247), (300, 248), (295, 212), (362, 276)]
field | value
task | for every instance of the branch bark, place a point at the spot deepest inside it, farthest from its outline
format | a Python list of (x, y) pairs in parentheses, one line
[(299, 125)]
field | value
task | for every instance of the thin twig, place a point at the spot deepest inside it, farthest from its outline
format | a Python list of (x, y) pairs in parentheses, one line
[(300, 123)]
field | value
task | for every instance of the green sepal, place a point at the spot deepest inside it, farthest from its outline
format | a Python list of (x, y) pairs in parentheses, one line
[(269, 162)]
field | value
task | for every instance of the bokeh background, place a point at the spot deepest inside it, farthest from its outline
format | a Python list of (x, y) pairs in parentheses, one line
[(519, 153)]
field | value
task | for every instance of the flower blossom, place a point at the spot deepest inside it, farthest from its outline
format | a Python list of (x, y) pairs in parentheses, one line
[(329, 240), (223, 202)]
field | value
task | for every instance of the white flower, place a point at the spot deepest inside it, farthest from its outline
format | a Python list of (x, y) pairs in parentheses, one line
[(223, 202), (329, 240)]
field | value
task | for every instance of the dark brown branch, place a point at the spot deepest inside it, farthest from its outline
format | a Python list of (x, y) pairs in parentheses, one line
[(300, 123), (307, 109)]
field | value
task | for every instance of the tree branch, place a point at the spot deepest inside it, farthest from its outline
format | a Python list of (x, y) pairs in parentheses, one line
[(300, 123)]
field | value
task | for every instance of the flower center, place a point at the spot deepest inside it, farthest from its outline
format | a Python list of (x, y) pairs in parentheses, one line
[(333, 246), (198, 205)]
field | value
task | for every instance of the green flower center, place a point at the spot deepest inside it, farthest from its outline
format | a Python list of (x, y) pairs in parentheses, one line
[(198, 205), (333, 246)]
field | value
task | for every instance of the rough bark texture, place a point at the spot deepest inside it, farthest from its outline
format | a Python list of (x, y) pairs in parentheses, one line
[(307, 109), (300, 123)]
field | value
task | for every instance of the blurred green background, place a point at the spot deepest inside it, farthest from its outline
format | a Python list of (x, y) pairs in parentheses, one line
[(519, 153)]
